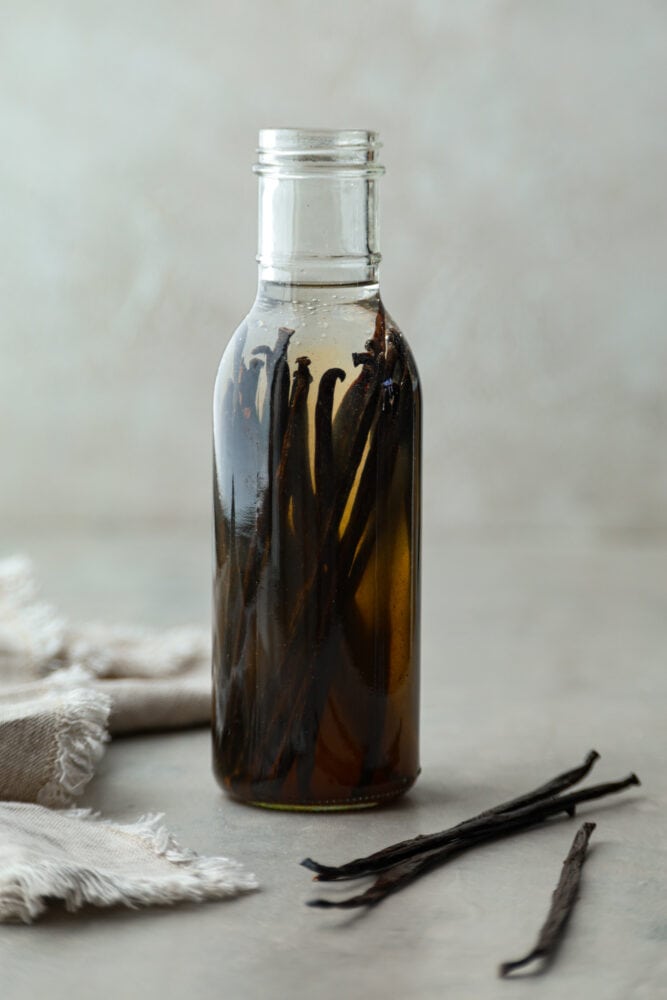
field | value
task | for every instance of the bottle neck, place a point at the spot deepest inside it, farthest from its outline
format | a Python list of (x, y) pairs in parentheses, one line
[(318, 227)]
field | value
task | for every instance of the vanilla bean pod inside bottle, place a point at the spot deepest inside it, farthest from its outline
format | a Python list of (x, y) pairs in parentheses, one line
[(317, 427)]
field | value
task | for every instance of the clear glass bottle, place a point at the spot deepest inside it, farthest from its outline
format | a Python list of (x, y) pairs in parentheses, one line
[(317, 440)]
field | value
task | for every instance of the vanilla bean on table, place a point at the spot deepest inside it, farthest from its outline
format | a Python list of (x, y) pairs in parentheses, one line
[(407, 848), (562, 904), (402, 863)]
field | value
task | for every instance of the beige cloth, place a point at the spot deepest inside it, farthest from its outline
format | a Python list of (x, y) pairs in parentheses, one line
[(154, 679), (51, 737), (63, 689), (74, 856)]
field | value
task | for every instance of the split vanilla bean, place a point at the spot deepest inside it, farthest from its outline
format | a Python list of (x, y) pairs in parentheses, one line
[(562, 904), (400, 864), (478, 824)]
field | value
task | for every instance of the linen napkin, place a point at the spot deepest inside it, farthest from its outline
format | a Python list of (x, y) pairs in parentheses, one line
[(74, 856), (155, 679), (63, 686), (63, 689), (52, 735)]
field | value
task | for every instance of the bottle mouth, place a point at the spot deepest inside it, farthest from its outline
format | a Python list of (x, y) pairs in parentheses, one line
[(298, 151)]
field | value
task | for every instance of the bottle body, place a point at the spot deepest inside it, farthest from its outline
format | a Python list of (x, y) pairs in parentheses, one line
[(317, 451)]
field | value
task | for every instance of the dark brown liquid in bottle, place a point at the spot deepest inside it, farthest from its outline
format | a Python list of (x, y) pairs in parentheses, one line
[(316, 652)]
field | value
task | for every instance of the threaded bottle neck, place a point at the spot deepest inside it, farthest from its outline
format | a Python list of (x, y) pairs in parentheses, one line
[(318, 204)]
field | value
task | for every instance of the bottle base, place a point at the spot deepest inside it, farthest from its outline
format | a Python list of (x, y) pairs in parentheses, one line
[(351, 804), (309, 807)]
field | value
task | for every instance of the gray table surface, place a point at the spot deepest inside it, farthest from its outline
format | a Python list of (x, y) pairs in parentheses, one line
[(535, 650)]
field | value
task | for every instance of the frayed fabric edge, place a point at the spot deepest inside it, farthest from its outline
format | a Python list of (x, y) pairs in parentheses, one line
[(81, 738), (25, 887)]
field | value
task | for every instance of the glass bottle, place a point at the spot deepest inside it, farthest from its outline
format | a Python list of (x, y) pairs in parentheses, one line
[(317, 441)]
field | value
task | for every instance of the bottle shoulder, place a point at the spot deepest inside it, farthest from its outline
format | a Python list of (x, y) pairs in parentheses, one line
[(332, 330)]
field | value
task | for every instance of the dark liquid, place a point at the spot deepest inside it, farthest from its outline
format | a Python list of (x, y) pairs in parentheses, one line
[(316, 652)]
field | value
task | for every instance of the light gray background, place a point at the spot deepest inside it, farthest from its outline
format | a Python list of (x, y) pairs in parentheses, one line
[(523, 227)]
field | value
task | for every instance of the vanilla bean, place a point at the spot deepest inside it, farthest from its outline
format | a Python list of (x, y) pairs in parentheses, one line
[(562, 904), (394, 876), (392, 879), (355, 401), (295, 524), (406, 848), (324, 442), (293, 481), (377, 468), (553, 787), (385, 445)]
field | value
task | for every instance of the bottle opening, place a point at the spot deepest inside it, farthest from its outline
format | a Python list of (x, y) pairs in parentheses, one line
[(299, 149), (318, 205)]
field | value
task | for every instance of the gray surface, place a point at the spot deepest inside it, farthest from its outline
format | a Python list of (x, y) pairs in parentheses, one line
[(533, 653)]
